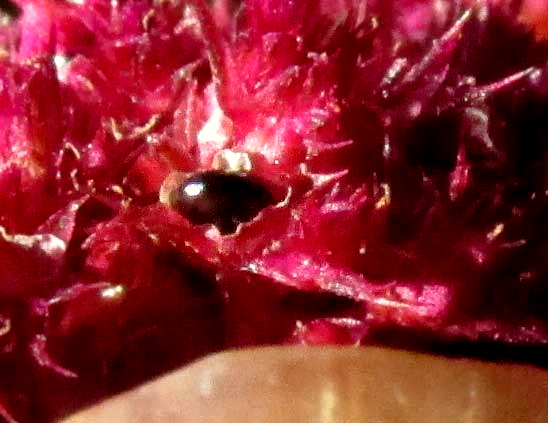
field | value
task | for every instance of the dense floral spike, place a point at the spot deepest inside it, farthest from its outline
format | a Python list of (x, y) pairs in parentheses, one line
[(402, 151)]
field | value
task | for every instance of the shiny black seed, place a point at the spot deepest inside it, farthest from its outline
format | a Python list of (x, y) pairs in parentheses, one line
[(222, 199), (9, 8)]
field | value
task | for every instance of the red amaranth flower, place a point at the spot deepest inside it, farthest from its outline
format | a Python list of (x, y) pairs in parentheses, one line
[(178, 178)]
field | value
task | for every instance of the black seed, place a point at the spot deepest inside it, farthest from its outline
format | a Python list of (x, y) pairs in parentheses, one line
[(9, 8), (222, 199)]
